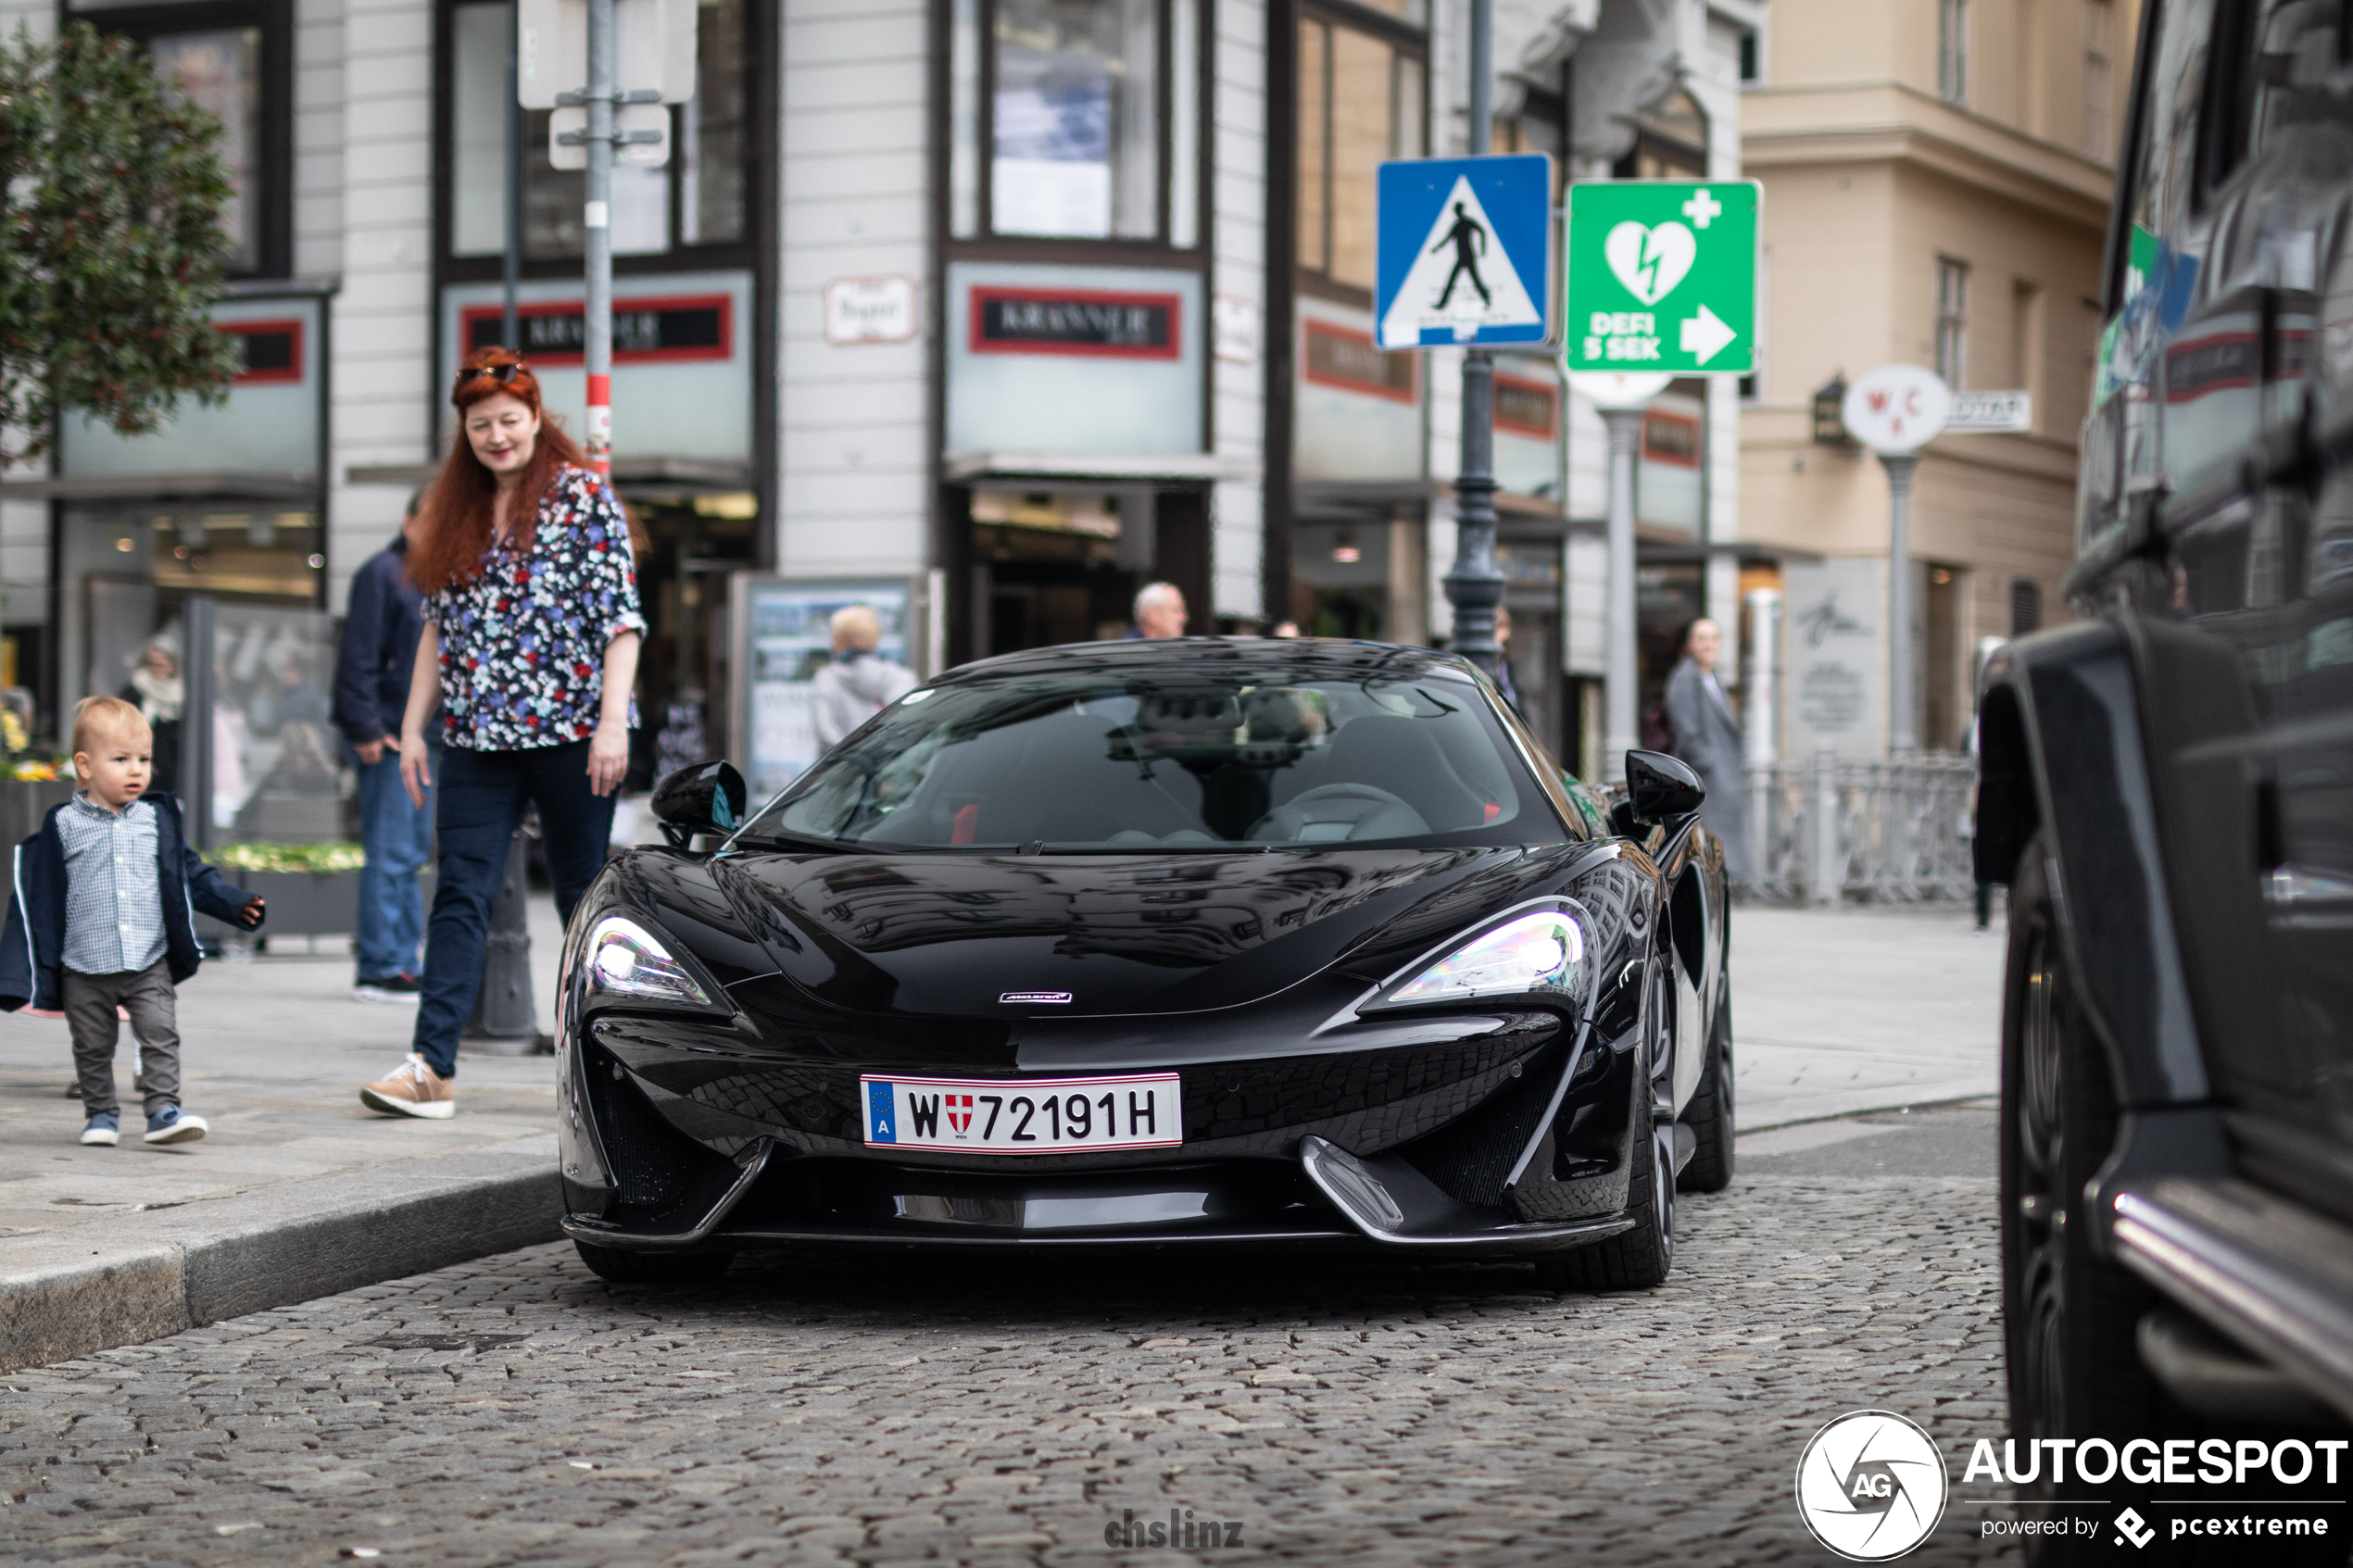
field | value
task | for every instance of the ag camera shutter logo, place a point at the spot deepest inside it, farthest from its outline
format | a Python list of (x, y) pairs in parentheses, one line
[(1870, 1486)]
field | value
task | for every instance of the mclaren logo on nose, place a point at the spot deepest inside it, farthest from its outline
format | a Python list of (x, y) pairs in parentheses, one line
[(1057, 997)]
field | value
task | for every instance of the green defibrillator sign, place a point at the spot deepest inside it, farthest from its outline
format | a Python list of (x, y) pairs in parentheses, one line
[(1661, 275)]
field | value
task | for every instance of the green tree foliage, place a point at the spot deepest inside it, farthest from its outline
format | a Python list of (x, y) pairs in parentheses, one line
[(111, 247)]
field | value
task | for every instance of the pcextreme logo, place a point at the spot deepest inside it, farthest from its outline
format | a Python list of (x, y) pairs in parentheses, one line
[(1870, 1486)]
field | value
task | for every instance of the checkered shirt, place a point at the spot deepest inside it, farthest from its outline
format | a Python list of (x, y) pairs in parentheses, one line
[(114, 898)]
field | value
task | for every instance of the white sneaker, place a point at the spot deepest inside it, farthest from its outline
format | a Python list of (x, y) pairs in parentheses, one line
[(412, 1089)]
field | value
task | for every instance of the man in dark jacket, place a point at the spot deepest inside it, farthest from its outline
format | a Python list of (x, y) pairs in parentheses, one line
[(380, 632)]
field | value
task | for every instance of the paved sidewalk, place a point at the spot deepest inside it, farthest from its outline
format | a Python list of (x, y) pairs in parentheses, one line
[(298, 1190), (1836, 1011)]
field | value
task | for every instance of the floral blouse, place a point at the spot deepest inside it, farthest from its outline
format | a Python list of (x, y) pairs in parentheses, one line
[(523, 646)]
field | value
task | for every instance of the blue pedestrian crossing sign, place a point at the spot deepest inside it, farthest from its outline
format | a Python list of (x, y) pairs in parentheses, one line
[(1466, 251)]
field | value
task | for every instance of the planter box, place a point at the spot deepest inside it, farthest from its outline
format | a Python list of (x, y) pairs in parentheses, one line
[(301, 903), (23, 802)]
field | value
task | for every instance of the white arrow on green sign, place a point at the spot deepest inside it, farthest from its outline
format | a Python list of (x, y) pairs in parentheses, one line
[(1661, 275)]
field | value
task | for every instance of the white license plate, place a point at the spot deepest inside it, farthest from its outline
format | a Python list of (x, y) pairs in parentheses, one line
[(1025, 1115)]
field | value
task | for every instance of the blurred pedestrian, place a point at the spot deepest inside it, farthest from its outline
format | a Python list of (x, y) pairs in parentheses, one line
[(860, 683), (1708, 736), (373, 674), (1503, 660), (530, 644), (1285, 629), (1160, 612), (158, 693)]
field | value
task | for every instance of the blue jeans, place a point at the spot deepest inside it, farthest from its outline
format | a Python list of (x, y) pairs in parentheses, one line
[(480, 799), (398, 836)]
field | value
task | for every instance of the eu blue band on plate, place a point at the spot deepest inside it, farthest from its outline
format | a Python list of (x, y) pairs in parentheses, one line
[(878, 1114)]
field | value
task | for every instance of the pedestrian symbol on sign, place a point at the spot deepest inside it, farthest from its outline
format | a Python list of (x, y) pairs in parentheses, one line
[(1464, 253), (1459, 283), (1466, 230)]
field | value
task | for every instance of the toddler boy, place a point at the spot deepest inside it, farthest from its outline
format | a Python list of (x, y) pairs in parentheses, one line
[(101, 918)]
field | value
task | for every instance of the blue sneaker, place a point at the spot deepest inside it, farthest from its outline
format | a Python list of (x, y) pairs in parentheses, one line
[(102, 1129), (169, 1125)]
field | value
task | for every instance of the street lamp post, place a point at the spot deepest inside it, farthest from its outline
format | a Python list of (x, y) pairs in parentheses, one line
[(1620, 677), (1474, 586)]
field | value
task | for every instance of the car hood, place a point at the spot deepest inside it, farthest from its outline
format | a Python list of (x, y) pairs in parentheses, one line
[(959, 934)]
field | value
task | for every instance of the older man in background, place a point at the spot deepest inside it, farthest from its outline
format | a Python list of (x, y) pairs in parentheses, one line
[(1708, 737), (860, 683), (1160, 612)]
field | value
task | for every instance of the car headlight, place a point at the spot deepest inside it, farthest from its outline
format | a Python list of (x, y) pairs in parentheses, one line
[(1541, 953), (625, 959)]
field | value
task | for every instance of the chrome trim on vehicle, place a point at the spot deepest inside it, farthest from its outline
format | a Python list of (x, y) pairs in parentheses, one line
[(2267, 1273)]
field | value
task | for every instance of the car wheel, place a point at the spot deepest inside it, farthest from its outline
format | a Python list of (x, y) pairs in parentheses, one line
[(632, 1267), (1709, 1114), (2068, 1319), (1640, 1258)]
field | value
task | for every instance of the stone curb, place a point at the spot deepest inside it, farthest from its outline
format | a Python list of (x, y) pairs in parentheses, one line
[(121, 1281)]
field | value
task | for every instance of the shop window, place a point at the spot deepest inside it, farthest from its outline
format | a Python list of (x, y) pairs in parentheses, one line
[(701, 198), (234, 60), (1361, 103), (1076, 119)]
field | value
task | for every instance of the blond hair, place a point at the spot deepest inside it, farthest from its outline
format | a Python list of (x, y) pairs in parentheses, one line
[(109, 714), (856, 626)]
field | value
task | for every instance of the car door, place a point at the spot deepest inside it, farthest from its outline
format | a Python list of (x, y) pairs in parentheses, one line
[(2247, 639)]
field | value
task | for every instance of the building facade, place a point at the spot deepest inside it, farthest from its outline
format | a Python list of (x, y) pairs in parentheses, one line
[(1937, 176), (1016, 305)]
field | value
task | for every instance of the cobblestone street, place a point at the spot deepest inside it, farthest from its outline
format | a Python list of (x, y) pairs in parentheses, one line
[(996, 1410)]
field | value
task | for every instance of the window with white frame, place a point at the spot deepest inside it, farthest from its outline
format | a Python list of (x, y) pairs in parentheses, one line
[(698, 199), (1952, 320), (2099, 92), (1952, 51), (1074, 119)]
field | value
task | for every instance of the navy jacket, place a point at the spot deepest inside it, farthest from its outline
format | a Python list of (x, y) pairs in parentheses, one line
[(380, 632), (32, 947)]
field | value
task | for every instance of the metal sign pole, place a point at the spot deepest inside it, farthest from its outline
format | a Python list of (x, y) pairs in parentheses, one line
[(510, 330), (1621, 675), (597, 325), (1903, 710), (1475, 587)]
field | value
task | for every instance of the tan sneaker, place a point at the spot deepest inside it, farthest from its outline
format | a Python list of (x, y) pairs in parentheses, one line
[(412, 1089)]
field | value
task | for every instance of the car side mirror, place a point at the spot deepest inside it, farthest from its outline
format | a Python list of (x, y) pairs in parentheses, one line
[(1660, 789), (706, 797)]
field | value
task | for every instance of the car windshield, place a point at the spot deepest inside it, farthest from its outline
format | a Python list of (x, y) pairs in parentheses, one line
[(1110, 762)]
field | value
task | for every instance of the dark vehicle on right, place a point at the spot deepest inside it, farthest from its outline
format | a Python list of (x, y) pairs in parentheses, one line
[(2168, 791)]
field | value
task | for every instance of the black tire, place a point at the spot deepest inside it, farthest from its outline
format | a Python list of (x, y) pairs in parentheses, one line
[(1640, 1258), (1709, 1114), (2068, 1320), (631, 1267)]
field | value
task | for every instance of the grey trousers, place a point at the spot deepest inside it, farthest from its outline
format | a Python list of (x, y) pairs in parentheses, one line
[(148, 995)]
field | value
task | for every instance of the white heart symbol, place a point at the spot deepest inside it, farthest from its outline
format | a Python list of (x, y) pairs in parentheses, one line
[(1650, 262)]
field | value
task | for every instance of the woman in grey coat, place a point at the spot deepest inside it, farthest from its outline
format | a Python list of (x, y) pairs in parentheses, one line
[(1708, 737)]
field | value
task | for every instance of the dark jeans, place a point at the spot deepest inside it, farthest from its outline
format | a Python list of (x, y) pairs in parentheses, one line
[(480, 800), (146, 995)]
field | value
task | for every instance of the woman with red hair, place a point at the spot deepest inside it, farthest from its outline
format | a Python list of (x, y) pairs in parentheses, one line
[(529, 649)]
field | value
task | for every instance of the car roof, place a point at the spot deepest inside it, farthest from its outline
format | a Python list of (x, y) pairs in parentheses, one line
[(1248, 659)]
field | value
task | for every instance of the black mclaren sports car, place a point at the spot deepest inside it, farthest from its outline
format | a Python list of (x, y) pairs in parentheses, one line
[(1210, 940)]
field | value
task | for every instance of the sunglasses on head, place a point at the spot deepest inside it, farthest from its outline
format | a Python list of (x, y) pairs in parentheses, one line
[(502, 374)]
